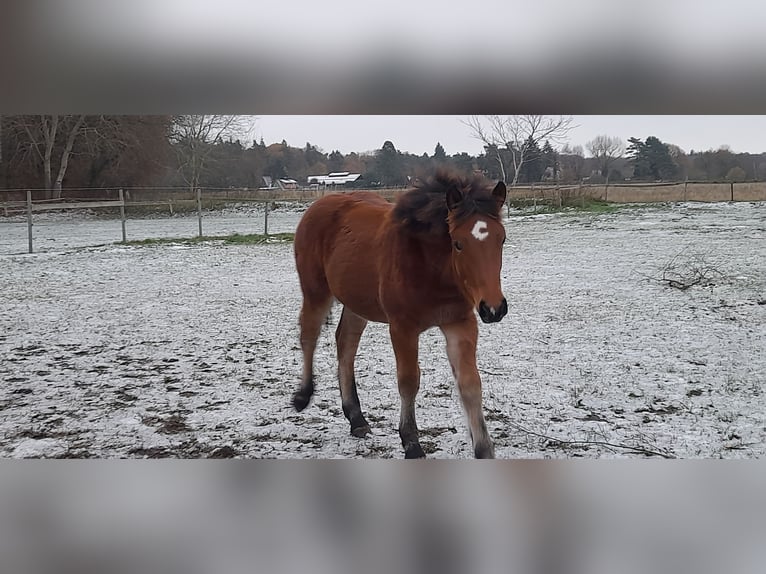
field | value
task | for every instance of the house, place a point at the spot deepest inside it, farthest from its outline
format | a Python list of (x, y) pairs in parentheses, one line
[(286, 183), (281, 183), (334, 178)]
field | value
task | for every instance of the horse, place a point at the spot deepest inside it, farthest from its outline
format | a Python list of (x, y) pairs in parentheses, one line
[(430, 259)]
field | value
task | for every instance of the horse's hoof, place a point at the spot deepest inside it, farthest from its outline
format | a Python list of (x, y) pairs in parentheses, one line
[(361, 431), (484, 451), (301, 401), (414, 451)]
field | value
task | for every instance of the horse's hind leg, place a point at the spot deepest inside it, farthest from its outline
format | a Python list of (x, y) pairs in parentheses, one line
[(347, 335), (312, 317)]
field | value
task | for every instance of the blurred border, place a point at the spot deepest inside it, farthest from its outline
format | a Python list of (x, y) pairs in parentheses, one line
[(382, 516), (234, 56)]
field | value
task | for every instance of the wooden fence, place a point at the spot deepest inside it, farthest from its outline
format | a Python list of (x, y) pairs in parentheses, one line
[(646, 192), (159, 197), (619, 192), (31, 206)]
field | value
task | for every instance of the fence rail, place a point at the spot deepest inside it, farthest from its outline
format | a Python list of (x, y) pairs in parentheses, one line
[(659, 192), (618, 192), (183, 200), (30, 207)]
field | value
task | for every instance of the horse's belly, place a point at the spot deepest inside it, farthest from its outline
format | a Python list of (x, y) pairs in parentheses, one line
[(365, 304), (368, 310), (354, 282)]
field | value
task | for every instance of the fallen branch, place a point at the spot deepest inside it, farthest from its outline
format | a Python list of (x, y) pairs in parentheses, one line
[(562, 442), (493, 373), (688, 272)]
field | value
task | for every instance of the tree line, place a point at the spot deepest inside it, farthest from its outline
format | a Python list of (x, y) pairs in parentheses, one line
[(56, 152)]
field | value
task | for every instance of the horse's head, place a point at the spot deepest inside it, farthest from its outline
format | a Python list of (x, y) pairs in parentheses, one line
[(477, 235)]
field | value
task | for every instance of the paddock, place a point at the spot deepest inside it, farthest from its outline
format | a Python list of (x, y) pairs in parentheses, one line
[(192, 350)]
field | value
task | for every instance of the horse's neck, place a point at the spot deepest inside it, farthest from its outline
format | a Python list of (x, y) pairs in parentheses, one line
[(430, 258)]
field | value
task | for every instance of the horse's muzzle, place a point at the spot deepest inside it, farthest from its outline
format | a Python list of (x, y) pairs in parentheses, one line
[(493, 314)]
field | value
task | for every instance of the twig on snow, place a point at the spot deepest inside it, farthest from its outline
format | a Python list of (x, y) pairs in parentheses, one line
[(687, 272), (563, 442)]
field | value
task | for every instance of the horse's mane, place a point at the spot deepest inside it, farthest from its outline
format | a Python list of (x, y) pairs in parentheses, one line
[(423, 209)]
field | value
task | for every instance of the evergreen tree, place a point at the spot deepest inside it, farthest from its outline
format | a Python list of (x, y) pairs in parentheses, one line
[(463, 162), (313, 156), (663, 166), (532, 169), (638, 155), (335, 161), (439, 154), (651, 159), (389, 165), (491, 163)]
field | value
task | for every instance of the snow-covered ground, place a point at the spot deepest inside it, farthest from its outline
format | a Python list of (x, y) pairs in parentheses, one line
[(192, 351), (58, 230)]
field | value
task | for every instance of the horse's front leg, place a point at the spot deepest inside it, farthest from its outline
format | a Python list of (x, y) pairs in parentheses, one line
[(461, 350), (405, 343)]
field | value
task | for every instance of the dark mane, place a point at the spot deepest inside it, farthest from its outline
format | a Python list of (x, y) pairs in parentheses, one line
[(423, 209)]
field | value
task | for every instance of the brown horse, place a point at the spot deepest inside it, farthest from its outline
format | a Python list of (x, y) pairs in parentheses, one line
[(429, 260)]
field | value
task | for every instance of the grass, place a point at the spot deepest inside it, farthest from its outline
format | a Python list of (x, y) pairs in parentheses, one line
[(234, 239), (575, 206)]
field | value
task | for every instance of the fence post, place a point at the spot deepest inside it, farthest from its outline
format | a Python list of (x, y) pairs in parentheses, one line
[(199, 209), (29, 217), (266, 220), (122, 214), (732, 191)]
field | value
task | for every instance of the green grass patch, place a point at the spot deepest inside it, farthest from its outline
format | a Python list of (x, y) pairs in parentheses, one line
[(573, 206), (234, 239), (596, 206)]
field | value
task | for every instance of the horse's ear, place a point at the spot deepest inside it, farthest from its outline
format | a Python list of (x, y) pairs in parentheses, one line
[(454, 196), (499, 193)]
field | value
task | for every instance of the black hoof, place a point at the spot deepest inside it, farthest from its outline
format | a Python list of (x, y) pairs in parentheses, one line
[(414, 451), (361, 431), (484, 451), (301, 400)]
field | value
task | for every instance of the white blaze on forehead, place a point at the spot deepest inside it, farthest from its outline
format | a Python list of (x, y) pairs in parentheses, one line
[(479, 230)]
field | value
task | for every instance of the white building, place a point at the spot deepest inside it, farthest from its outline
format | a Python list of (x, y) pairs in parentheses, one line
[(334, 178)]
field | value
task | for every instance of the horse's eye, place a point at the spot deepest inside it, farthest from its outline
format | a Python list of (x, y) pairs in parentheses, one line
[(458, 246)]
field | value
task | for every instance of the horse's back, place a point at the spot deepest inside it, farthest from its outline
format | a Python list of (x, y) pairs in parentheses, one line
[(336, 247), (331, 214)]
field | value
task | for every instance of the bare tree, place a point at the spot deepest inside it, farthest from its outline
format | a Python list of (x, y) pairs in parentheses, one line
[(195, 135), (572, 160), (509, 137), (606, 149), (49, 136), (47, 149)]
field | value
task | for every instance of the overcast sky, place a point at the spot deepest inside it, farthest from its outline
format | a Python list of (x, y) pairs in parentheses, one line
[(419, 134)]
